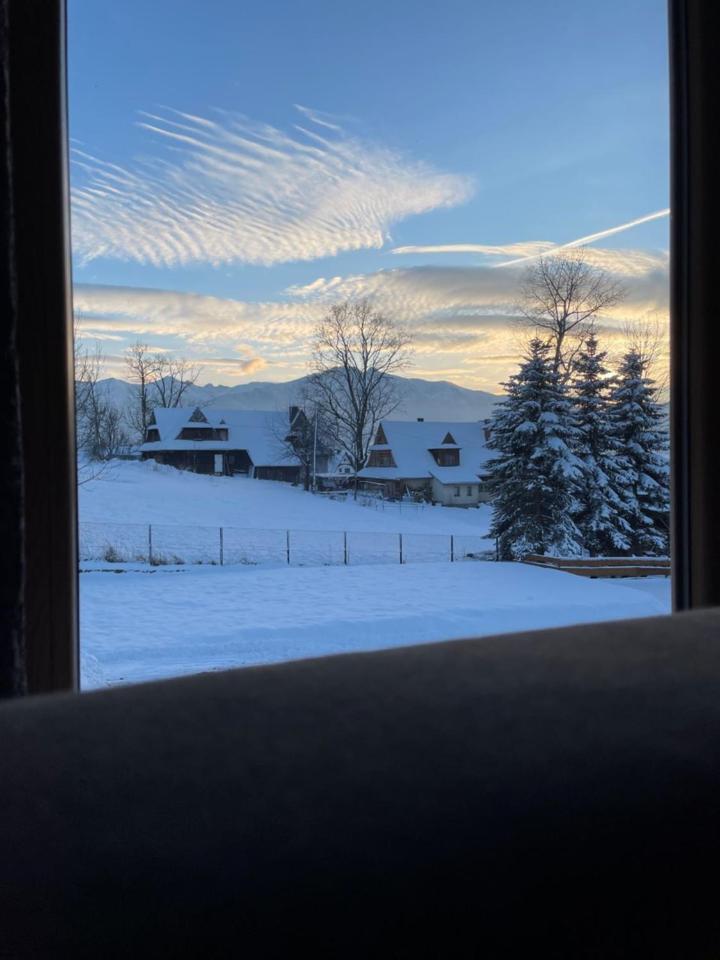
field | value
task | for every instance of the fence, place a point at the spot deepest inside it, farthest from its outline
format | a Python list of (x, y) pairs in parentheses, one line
[(605, 567), (177, 544)]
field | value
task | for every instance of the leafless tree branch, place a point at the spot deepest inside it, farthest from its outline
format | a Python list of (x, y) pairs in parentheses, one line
[(561, 297), (356, 352)]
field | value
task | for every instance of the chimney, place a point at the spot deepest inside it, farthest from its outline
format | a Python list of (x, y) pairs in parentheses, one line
[(421, 419)]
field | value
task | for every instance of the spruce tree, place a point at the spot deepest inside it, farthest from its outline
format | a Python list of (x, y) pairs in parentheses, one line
[(534, 478), (641, 442), (601, 511)]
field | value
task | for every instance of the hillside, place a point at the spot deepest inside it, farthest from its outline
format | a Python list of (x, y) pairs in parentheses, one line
[(431, 399), (145, 492)]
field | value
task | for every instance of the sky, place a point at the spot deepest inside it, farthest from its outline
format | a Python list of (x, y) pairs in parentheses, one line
[(237, 167)]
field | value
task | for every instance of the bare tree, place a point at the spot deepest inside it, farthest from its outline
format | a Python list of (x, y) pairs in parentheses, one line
[(306, 437), (100, 429), (160, 381), (356, 349), (88, 366), (649, 337), (143, 369), (562, 296), (174, 378)]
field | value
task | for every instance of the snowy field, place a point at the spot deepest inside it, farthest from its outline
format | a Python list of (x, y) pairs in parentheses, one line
[(144, 623), (135, 492)]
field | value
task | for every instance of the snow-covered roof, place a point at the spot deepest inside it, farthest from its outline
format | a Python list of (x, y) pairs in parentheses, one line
[(259, 432), (411, 443)]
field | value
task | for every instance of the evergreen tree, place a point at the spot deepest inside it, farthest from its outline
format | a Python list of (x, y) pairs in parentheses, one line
[(534, 478), (642, 463), (601, 516)]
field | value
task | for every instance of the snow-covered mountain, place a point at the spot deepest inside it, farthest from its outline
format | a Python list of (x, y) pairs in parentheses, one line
[(430, 399)]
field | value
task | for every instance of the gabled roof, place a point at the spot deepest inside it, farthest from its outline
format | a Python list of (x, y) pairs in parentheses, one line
[(259, 432), (411, 442)]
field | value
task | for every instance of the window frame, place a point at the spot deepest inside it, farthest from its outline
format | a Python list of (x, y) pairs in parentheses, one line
[(39, 224)]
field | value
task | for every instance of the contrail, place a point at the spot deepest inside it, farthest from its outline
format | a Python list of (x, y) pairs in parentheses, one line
[(581, 241)]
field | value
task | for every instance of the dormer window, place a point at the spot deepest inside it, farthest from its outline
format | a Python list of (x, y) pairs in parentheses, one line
[(449, 438), (153, 434), (203, 433), (380, 437), (447, 457), (381, 458)]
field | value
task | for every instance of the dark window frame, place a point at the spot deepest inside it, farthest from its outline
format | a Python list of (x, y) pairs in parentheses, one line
[(40, 235), (38, 227)]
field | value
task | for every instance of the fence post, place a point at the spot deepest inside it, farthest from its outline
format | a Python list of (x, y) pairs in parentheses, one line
[(287, 544), (150, 557), (345, 553), (452, 548), (222, 552), (401, 550)]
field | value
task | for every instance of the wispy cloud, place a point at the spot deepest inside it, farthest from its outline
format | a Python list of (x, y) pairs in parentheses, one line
[(533, 249), (591, 238), (414, 293), (486, 249), (224, 189)]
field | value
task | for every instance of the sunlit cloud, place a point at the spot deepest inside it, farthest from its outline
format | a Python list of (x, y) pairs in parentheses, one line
[(412, 293), (619, 261), (223, 189), (462, 319)]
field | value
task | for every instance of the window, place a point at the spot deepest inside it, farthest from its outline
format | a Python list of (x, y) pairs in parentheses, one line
[(446, 458), (229, 317), (201, 433), (381, 458)]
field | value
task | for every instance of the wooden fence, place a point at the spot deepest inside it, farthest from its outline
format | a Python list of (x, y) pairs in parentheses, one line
[(605, 566)]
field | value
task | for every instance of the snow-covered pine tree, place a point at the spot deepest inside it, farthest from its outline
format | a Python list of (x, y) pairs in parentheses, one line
[(636, 426), (534, 478), (601, 509)]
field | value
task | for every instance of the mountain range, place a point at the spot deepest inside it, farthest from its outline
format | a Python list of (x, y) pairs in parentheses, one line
[(429, 399)]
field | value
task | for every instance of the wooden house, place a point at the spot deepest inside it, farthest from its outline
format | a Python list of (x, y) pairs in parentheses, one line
[(251, 443), (438, 461)]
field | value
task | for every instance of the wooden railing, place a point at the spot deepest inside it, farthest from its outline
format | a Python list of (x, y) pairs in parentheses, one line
[(605, 566)]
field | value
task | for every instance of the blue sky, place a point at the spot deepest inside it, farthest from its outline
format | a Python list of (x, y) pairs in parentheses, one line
[(238, 165)]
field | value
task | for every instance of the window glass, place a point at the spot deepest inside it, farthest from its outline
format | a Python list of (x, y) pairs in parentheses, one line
[(371, 324)]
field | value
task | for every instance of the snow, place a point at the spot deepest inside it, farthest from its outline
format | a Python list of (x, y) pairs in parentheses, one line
[(146, 492), (142, 623), (146, 625)]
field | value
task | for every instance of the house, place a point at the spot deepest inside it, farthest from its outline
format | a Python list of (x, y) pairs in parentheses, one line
[(251, 443), (439, 461)]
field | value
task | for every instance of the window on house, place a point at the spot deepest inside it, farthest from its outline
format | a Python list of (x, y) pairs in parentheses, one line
[(232, 255), (381, 458), (203, 433), (446, 458)]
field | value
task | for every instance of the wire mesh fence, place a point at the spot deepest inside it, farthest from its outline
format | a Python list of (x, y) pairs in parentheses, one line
[(160, 544)]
